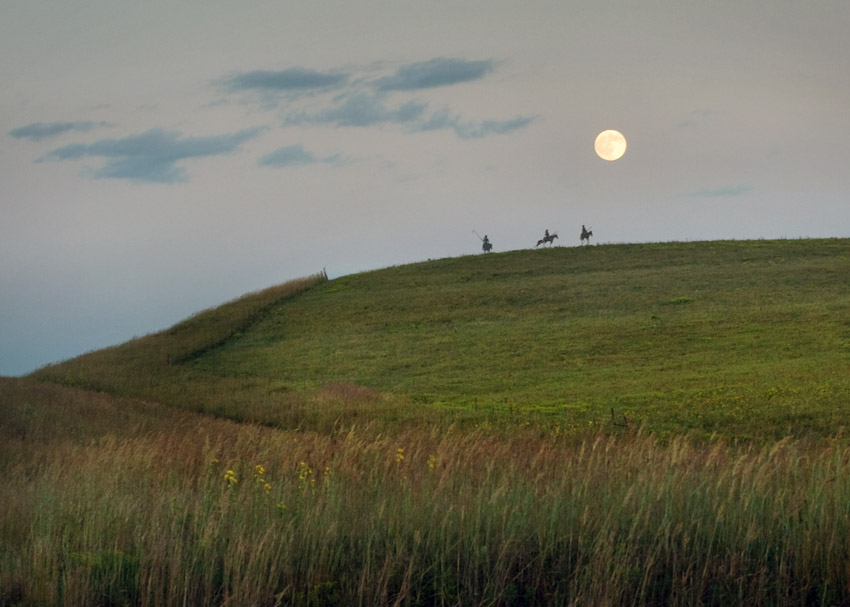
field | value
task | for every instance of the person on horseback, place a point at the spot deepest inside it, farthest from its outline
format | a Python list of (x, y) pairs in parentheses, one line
[(485, 244), (547, 238)]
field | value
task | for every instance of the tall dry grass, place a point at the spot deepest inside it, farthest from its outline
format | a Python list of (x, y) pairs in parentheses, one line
[(120, 502)]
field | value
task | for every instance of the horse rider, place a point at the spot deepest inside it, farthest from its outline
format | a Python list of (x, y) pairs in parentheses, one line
[(485, 244)]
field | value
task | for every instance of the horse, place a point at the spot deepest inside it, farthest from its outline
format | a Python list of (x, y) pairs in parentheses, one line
[(586, 234), (549, 238)]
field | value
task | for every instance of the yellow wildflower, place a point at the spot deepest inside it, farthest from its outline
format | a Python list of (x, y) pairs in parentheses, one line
[(305, 473)]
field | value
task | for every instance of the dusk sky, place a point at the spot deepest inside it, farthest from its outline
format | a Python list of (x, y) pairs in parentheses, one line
[(158, 158)]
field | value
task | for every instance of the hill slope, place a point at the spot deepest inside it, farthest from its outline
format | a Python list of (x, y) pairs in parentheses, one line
[(744, 338)]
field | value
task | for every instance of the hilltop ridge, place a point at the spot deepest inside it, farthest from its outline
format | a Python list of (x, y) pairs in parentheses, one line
[(744, 337)]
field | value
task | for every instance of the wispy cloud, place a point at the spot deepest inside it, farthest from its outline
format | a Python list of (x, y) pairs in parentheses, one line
[(471, 130), (360, 109), (374, 96), (695, 118), (151, 156), (465, 129), (433, 73), (293, 80), (39, 131), (294, 156), (736, 190)]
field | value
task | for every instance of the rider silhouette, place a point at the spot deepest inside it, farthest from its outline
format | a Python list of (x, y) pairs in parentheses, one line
[(547, 233), (485, 244)]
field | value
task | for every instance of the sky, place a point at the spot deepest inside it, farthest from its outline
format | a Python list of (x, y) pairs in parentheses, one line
[(158, 158)]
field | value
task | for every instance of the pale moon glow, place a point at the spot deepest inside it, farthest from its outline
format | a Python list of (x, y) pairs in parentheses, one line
[(610, 145)]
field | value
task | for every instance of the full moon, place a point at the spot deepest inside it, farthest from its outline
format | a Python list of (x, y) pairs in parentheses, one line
[(610, 145)]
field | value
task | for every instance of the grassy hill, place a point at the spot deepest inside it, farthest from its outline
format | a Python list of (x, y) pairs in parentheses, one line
[(747, 339), (441, 434)]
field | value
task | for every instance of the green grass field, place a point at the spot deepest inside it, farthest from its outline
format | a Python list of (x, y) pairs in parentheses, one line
[(744, 339), (441, 433)]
